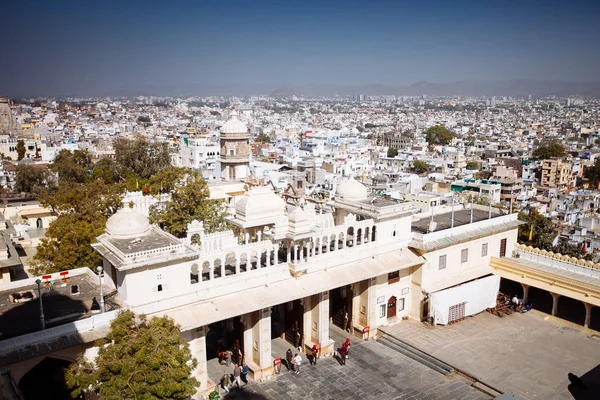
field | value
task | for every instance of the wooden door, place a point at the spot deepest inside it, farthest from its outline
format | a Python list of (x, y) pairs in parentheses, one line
[(391, 307)]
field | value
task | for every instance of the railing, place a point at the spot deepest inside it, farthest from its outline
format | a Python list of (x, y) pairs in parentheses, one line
[(54, 333), (555, 260)]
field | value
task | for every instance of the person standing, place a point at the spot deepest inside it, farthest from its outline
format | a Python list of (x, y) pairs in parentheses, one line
[(346, 320), (244, 375), (237, 372), (225, 381), (298, 362), (343, 353), (316, 350), (288, 357)]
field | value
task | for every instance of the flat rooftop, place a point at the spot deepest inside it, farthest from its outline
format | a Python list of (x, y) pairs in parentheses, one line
[(149, 241), (444, 221), (60, 306)]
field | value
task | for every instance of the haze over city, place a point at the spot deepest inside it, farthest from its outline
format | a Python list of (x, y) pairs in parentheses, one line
[(110, 48)]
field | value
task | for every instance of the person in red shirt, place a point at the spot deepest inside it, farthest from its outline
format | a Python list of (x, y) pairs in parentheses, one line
[(347, 344), (316, 351), (344, 353)]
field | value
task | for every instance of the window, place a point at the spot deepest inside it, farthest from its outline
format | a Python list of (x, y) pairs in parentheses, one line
[(484, 249), (159, 288), (393, 277), (464, 255), (442, 263), (503, 248), (382, 310), (400, 305)]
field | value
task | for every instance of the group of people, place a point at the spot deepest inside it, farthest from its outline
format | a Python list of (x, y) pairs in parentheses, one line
[(294, 360), (518, 305), (239, 375)]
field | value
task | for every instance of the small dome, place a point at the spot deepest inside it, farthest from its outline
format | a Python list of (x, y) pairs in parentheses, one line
[(380, 179), (259, 203), (234, 125), (351, 190), (127, 223)]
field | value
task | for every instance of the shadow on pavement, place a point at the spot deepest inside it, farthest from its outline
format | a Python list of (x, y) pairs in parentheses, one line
[(587, 386)]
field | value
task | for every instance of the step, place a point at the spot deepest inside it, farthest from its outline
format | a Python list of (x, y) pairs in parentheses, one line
[(424, 360), (419, 353)]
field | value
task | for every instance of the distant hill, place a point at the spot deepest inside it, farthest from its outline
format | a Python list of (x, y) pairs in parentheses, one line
[(522, 87), (283, 93)]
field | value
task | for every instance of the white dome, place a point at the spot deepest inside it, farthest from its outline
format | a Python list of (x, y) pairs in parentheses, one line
[(127, 223), (259, 203), (234, 125), (351, 190)]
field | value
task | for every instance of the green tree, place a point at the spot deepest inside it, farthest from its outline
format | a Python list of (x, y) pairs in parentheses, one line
[(106, 170), (420, 166), (263, 138), (141, 157), (140, 358), (34, 180), (438, 134), (392, 152), (549, 151), (543, 232), (189, 201), (21, 149), (472, 165), (592, 174), (166, 180), (72, 166), (81, 212)]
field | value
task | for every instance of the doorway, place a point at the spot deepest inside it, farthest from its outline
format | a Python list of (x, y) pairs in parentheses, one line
[(391, 307)]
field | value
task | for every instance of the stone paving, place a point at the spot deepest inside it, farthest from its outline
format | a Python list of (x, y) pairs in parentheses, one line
[(373, 371), (526, 354)]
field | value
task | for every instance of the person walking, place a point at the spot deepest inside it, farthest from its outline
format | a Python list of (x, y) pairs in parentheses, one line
[(237, 372), (316, 350), (288, 357), (244, 375), (225, 381), (347, 344), (298, 362), (343, 353)]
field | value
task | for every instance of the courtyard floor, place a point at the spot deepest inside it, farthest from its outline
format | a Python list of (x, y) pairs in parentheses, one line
[(526, 354)]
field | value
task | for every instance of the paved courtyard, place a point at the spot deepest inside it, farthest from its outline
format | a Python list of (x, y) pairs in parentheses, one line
[(373, 372), (525, 354)]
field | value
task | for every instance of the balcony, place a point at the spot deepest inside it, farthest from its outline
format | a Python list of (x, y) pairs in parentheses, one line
[(235, 158)]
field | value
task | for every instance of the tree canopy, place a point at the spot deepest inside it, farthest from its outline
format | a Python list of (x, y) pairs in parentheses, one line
[(21, 149), (72, 166), (593, 174), (263, 138), (472, 165), (420, 166), (392, 152), (190, 200), (82, 210), (140, 358), (141, 157), (438, 134), (31, 179), (549, 151)]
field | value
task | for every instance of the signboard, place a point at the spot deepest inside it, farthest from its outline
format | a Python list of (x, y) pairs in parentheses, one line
[(277, 361), (366, 329)]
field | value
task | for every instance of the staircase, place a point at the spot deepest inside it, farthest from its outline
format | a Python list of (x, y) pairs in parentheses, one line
[(415, 354)]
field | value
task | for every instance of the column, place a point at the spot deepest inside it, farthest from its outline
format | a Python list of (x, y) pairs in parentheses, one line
[(197, 342), (211, 271), (353, 238), (322, 331), (223, 267), (588, 315), (296, 254), (525, 293), (237, 265), (307, 320), (261, 344), (289, 255), (555, 304), (247, 323)]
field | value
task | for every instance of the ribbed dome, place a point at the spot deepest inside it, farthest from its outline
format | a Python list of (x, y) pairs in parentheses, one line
[(260, 202), (127, 223), (351, 190), (234, 125)]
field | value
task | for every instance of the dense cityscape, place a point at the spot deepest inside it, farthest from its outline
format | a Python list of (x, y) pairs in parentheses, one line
[(300, 200)]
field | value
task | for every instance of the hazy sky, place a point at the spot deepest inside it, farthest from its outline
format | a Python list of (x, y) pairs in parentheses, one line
[(115, 47)]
